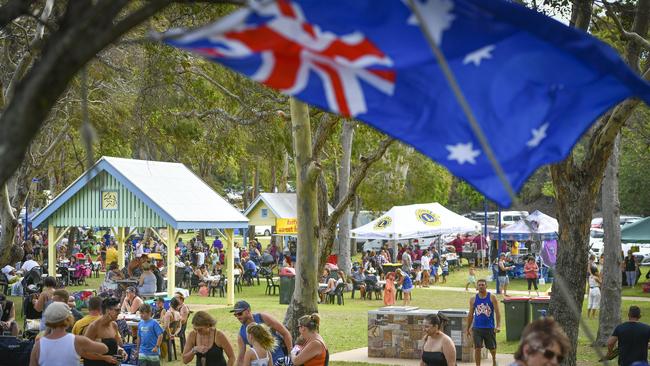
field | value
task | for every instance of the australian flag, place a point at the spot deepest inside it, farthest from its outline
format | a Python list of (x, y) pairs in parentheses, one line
[(534, 84)]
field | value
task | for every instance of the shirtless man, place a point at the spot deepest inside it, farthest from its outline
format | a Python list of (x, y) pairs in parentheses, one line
[(105, 330)]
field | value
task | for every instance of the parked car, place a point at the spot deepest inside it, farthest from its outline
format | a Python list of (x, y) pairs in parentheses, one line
[(596, 237), (263, 230), (597, 222)]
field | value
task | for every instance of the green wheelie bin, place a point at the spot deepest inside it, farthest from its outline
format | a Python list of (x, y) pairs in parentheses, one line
[(517, 316), (539, 306)]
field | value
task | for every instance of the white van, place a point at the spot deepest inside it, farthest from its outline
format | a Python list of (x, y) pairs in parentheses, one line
[(510, 217)]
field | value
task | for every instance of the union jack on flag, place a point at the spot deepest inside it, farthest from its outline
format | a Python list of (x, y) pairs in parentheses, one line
[(534, 85)]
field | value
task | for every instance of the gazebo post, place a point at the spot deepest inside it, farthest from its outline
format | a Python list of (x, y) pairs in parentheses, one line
[(171, 261), (120, 247), (231, 266), (51, 250)]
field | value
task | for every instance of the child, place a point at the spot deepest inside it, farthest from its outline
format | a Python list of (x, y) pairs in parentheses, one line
[(203, 289), (434, 269), (407, 286), (418, 277), (445, 269), (150, 335), (389, 289), (300, 343), (262, 344), (471, 279)]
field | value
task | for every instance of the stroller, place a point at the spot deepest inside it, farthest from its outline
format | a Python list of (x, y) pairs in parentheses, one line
[(32, 318)]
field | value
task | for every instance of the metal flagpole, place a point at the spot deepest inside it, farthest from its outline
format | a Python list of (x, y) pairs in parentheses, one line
[(467, 110)]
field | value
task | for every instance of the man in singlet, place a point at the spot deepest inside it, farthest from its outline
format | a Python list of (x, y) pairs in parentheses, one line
[(242, 312), (480, 321)]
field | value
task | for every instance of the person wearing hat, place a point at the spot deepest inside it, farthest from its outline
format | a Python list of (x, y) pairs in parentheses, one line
[(105, 330), (131, 302), (504, 280), (242, 312), (58, 347)]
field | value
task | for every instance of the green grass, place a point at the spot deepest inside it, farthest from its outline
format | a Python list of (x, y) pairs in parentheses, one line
[(345, 327)]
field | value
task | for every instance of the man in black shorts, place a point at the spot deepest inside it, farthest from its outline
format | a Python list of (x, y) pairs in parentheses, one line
[(481, 321)]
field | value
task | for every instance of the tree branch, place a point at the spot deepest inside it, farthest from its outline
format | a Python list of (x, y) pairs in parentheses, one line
[(359, 176), (12, 10), (324, 131), (630, 36)]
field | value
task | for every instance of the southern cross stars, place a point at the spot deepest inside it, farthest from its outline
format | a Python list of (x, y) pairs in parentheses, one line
[(539, 134), (479, 55), (462, 153), (438, 15)]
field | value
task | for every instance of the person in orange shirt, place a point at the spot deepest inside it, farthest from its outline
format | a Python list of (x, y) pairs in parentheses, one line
[(315, 352)]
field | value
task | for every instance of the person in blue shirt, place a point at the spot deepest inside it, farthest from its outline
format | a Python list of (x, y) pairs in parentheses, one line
[(407, 286), (150, 335), (250, 266), (481, 325)]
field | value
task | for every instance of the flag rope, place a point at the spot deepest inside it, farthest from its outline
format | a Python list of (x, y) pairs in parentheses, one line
[(467, 110)]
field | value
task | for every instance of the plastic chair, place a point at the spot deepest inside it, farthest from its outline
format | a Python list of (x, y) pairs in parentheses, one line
[(271, 286)]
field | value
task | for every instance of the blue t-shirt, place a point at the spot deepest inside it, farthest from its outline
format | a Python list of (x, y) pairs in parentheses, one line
[(148, 332)]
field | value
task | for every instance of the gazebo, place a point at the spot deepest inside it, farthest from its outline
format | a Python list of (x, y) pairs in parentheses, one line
[(126, 193)]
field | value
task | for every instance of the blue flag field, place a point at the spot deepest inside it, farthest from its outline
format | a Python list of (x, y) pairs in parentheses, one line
[(534, 84)]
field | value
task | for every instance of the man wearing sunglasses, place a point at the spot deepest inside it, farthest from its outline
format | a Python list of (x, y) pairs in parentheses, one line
[(242, 311), (543, 343), (632, 338)]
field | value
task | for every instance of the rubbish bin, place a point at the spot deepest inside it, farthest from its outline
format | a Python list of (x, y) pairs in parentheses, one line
[(539, 306), (455, 329), (517, 316), (287, 284)]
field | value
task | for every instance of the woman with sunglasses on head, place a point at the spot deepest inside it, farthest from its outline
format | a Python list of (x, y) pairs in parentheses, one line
[(438, 349), (543, 343), (314, 352), (207, 343), (105, 330)]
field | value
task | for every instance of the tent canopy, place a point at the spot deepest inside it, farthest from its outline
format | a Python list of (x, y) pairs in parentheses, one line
[(536, 226), (415, 221), (637, 232)]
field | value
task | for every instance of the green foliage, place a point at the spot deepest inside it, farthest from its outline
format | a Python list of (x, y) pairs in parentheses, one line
[(634, 185)]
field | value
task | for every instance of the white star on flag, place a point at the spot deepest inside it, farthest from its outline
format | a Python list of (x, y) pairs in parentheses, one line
[(463, 153), (479, 55), (437, 14), (539, 134)]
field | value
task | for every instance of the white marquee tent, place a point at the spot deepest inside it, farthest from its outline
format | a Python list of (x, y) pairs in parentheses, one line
[(415, 221), (536, 226)]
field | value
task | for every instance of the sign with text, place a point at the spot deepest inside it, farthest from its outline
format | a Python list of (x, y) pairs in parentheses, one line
[(286, 226)]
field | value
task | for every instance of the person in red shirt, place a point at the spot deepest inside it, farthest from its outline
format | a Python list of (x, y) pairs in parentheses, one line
[(530, 272), (458, 245), (481, 245)]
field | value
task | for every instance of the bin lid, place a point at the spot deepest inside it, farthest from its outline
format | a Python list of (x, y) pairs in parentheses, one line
[(516, 299), (541, 300)]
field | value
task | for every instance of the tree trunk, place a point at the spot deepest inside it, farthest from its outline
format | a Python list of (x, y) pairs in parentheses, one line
[(343, 240), (256, 181), (354, 223), (305, 292), (576, 195), (9, 223), (610, 305), (244, 179), (284, 179), (274, 179)]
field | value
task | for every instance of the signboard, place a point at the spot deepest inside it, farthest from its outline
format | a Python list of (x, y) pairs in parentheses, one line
[(286, 226), (109, 200)]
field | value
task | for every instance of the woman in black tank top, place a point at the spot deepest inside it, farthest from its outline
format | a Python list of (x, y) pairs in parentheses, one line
[(207, 343), (438, 348)]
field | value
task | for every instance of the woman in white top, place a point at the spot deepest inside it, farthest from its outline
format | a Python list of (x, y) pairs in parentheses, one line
[(263, 343), (593, 302), (426, 268), (58, 347)]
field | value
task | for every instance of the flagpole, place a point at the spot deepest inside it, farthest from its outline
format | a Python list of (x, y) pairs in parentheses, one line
[(467, 110)]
